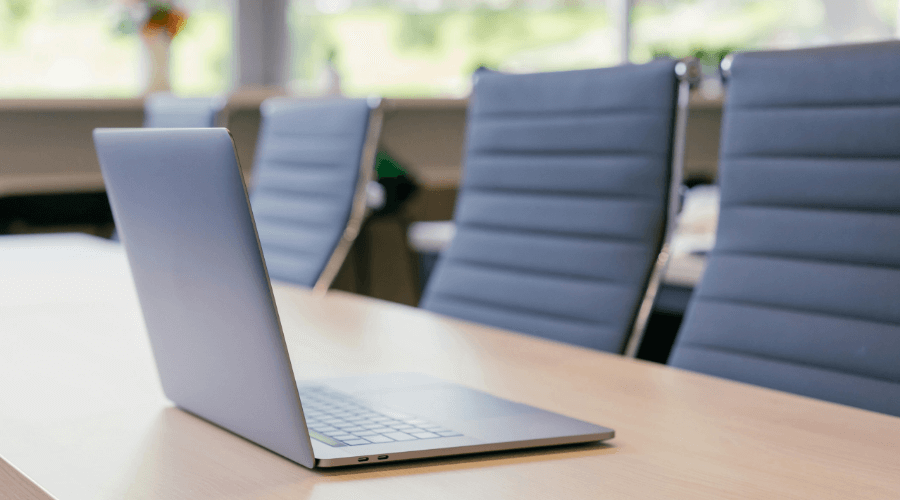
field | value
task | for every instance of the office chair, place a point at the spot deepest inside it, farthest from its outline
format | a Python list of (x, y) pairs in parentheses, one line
[(562, 211), (802, 290), (165, 110), (313, 167)]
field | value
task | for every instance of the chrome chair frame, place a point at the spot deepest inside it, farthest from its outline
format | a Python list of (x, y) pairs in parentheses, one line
[(360, 208), (688, 72)]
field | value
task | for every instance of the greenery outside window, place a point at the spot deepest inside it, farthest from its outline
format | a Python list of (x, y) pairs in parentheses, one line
[(710, 29), (73, 48), (431, 47)]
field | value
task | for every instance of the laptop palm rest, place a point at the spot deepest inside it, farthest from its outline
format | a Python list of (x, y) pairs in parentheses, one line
[(445, 402)]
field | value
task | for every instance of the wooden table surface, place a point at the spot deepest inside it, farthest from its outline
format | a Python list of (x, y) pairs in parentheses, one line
[(83, 416)]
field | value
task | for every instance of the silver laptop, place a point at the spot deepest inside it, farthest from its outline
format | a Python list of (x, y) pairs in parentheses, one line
[(183, 215)]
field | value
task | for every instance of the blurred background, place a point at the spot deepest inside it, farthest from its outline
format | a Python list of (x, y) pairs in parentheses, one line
[(400, 48), (68, 66)]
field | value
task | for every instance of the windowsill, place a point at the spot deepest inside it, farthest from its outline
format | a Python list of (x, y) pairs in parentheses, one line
[(253, 99), (71, 104)]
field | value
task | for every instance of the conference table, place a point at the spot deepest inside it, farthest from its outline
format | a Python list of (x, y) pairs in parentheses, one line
[(82, 414)]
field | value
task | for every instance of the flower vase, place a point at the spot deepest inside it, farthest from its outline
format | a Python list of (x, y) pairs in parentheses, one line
[(157, 52)]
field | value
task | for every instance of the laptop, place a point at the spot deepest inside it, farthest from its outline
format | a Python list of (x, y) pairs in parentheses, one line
[(184, 217)]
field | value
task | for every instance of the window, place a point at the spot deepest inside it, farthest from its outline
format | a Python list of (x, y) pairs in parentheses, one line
[(201, 53), (73, 48), (406, 48), (709, 29), (431, 47)]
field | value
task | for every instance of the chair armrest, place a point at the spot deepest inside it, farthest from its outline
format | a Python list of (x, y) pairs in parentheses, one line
[(375, 195), (431, 236)]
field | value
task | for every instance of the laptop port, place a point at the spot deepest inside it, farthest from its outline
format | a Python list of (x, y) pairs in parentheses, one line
[(363, 459), (382, 457)]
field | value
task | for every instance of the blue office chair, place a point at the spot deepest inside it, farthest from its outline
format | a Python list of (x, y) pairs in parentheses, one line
[(563, 207), (314, 161), (802, 290), (165, 110)]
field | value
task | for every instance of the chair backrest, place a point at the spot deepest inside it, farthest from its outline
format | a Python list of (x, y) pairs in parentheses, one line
[(165, 110), (314, 159), (562, 209), (802, 290)]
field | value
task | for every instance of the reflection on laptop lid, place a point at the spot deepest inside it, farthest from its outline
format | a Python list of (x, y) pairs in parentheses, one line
[(183, 214)]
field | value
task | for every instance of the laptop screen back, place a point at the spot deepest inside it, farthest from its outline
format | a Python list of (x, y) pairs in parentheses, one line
[(182, 212)]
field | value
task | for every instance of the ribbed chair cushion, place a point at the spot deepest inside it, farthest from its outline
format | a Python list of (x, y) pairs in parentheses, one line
[(164, 110), (304, 180), (802, 290), (562, 207)]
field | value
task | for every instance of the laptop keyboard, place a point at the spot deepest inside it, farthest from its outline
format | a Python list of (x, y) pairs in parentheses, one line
[(337, 419)]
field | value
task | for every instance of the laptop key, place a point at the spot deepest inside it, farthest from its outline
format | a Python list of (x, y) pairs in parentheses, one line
[(379, 439), (356, 442), (425, 435), (448, 433)]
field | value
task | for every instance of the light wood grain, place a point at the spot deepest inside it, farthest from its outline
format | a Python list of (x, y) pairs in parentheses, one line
[(84, 417)]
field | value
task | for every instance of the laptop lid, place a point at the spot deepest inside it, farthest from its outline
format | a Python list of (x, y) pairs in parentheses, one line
[(197, 287)]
